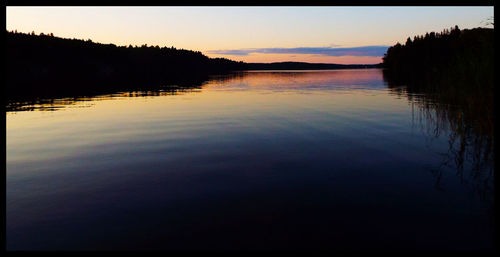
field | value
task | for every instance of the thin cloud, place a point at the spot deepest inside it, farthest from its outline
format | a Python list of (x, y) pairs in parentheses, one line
[(325, 51)]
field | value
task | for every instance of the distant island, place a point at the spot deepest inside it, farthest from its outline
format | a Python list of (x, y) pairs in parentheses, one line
[(308, 66)]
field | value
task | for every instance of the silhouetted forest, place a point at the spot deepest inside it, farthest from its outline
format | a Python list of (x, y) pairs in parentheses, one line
[(308, 66), (45, 65), (465, 55), (448, 78)]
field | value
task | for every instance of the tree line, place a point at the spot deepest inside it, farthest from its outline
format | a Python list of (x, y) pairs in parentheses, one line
[(460, 54), (46, 63)]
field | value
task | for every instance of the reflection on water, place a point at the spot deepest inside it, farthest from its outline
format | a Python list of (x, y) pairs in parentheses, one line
[(51, 104), (467, 120), (288, 160), (270, 80)]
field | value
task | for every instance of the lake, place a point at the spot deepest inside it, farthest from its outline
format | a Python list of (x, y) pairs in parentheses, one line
[(332, 160)]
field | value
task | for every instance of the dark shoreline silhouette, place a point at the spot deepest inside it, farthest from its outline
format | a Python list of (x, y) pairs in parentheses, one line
[(45, 66), (451, 56)]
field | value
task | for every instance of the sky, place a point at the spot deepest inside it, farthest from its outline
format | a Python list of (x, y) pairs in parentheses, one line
[(346, 35)]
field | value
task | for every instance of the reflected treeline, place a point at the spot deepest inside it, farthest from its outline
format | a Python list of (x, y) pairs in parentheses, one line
[(45, 65), (466, 120), (56, 101)]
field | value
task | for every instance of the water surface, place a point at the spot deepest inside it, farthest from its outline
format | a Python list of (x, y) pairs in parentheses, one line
[(274, 160)]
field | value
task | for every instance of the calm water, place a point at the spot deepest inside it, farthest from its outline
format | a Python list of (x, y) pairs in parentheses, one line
[(309, 160)]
